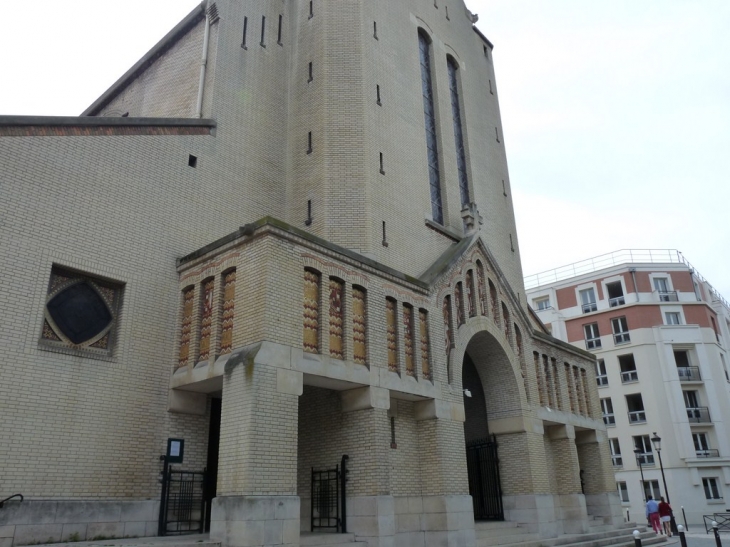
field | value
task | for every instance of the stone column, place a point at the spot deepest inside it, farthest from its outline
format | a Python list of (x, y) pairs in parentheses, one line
[(570, 506), (447, 509), (600, 486), (257, 474)]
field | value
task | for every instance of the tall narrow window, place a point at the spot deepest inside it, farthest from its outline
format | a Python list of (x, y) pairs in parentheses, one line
[(245, 28), (311, 72), (359, 325), (206, 319), (229, 310), (311, 311), (278, 35), (408, 339), (434, 177), (481, 287), (337, 315), (458, 300), (186, 325), (311, 9), (448, 332), (263, 31), (425, 345), (392, 334), (458, 132), (470, 294)]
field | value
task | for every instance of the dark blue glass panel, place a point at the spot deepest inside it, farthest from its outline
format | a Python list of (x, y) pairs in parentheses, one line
[(431, 141), (458, 135), (79, 312)]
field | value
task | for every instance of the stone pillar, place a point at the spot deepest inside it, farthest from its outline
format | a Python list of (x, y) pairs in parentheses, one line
[(257, 474), (570, 506), (600, 486), (448, 513), (370, 505)]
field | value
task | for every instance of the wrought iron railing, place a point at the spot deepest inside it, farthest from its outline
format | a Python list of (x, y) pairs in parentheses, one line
[(588, 308), (637, 416), (621, 338), (698, 415), (593, 343), (617, 460), (646, 458), (2, 502), (602, 380), (609, 420), (708, 453), (618, 301), (689, 374), (668, 296)]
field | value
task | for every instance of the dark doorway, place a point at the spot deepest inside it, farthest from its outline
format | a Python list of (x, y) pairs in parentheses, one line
[(481, 448), (211, 476)]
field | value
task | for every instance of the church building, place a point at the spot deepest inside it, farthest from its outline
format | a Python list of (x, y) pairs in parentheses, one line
[(269, 284)]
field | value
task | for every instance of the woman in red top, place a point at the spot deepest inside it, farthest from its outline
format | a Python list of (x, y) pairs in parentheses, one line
[(665, 514)]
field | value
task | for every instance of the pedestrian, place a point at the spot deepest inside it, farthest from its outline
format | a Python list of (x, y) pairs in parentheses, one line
[(652, 515), (665, 514)]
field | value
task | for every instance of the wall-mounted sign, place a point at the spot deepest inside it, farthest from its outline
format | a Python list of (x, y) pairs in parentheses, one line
[(175, 448)]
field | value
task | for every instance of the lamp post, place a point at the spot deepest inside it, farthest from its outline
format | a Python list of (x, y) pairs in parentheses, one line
[(638, 452), (656, 440)]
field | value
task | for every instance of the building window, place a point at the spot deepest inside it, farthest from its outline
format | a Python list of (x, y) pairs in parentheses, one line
[(601, 377), (391, 334), (408, 339), (434, 176), (672, 318), (627, 364), (588, 300), (186, 325), (643, 451), (542, 303), (311, 311), (425, 345), (712, 489), (359, 324), (458, 131), (336, 318), (206, 319), (616, 458), (229, 311), (607, 409), (651, 488), (615, 294), (620, 330), (695, 413), (81, 313), (593, 337), (663, 289), (702, 446), (623, 492), (724, 367), (635, 404)]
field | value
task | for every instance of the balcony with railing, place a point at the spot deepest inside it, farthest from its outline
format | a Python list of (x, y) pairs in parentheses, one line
[(609, 419), (698, 415), (593, 343), (589, 307), (668, 296), (689, 374), (618, 301), (637, 416), (708, 453), (645, 458), (617, 460), (629, 376), (602, 380), (621, 338)]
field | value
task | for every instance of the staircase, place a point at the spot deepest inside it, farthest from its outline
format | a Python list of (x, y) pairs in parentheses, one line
[(314, 539), (510, 534)]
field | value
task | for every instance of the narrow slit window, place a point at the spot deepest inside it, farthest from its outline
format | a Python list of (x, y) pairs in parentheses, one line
[(447, 13), (496, 134), (378, 101), (263, 30), (385, 239), (504, 188), (429, 111), (382, 168), (245, 28), (491, 90), (311, 9), (310, 72), (192, 161), (308, 222), (375, 30), (458, 131), (393, 444), (278, 34), (511, 244), (309, 142)]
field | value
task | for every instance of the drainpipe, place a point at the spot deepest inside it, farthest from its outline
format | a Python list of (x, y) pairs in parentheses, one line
[(203, 63)]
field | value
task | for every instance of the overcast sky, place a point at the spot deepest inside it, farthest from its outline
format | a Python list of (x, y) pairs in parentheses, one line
[(616, 113)]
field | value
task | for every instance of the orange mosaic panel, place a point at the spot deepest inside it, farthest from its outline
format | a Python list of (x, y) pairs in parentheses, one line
[(459, 304), (449, 336), (482, 288), (186, 327), (229, 312), (206, 320), (408, 339), (425, 363), (470, 295), (359, 325), (392, 335), (311, 311), (336, 319)]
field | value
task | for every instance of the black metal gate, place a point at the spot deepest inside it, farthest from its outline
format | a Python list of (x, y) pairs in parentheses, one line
[(182, 509), (328, 497), (484, 486)]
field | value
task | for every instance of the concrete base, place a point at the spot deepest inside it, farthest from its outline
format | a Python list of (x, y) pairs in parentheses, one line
[(606, 506), (426, 521), (32, 522), (536, 513), (260, 521), (571, 513)]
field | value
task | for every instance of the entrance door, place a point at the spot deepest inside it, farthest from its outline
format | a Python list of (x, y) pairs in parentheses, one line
[(211, 476), (484, 486)]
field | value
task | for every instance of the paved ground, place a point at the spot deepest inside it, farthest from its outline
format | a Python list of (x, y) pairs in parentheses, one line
[(700, 539)]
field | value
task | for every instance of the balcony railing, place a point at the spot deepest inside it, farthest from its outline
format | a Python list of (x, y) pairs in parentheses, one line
[(618, 301), (588, 308), (629, 376), (609, 420), (668, 296), (689, 374), (593, 343), (709, 453), (637, 416), (699, 415), (618, 461), (647, 458), (621, 338), (602, 380)]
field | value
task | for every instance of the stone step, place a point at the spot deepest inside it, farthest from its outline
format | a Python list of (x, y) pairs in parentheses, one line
[(192, 540), (504, 541), (621, 537), (328, 539), (494, 525), (507, 531)]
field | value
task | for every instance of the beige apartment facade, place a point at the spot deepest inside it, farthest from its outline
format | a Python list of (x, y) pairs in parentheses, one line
[(300, 248)]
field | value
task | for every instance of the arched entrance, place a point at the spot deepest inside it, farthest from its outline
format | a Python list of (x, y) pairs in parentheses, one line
[(490, 391)]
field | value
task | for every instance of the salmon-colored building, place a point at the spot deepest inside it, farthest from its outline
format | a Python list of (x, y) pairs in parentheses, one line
[(660, 333)]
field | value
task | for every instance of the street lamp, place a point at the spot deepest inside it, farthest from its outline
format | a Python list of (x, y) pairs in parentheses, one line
[(638, 452), (656, 440)]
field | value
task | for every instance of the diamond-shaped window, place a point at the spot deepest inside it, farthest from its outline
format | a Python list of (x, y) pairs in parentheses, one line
[(79, 312)]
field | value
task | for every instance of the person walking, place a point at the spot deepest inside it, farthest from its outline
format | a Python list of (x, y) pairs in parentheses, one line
[(652, 515), (665, 515)]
